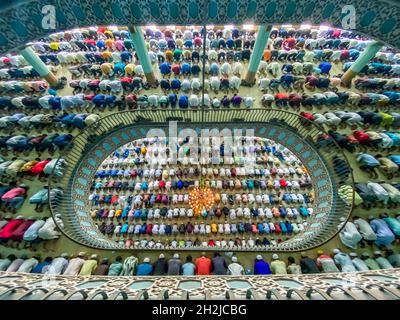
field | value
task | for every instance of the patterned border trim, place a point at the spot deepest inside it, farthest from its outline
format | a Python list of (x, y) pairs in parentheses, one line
[(207, 286), (378, 19)]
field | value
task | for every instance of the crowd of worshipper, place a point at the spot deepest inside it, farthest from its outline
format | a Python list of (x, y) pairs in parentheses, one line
[(132, 198), (381, 231), (218, 264), (13, 194), (23, 143), (23, 233)]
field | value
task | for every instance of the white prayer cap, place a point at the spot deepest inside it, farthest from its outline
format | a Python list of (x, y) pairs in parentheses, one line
[(234, 259), (81, 254), (19, 217), (259, 257), (336, 251), (64, 255), (353, 254), (176, 256), (161, 256), (342, 219), (93, 256), (146, 259), (377, 253), (275, 256)]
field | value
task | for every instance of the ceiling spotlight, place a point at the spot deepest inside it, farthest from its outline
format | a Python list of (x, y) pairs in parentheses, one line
[(324, 27), (152, 27), (248, 26)]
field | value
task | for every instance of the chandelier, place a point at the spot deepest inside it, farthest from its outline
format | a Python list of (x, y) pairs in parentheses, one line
[(200, 199)]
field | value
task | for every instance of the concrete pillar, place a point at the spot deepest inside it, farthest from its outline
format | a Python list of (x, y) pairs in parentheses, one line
[(141, 51), (32, 58), (365, 57), (258, 50)]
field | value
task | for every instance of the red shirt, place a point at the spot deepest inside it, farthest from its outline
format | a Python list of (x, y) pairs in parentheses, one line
[(211, 243), (278, 229), (91, 41), (361, 136), (290, 42), (39, 167), (162, 184), (101, 29), (114, 198), (94, 82), (203, 266), (130, 98), (307, 115), (336, 33), (344, 54), (176, 68), (282, 96), (89, 97), (9, 228), (18, 233), (283, 183), (14, 192), (197, 41), (126, 79)]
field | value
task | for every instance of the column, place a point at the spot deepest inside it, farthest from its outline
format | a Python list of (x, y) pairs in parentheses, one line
[(40, 67), (365, 57), (140, 47), (258, 50)]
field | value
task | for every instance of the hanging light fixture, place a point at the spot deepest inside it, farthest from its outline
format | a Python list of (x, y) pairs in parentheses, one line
[(201, 198)]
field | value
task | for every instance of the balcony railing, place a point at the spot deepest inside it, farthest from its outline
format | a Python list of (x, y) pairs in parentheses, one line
[(368, 285)]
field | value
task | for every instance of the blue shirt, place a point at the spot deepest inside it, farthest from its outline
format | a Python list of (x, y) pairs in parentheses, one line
[(175, 84), (395, 158), (188, 269), (119, 67), (188, 43), (261, 267), (230, 43), (185, 68), (214, 69), (144, 269), (183, 102), (325, 67), (98, 99), (39, 267), (100, 44), (368, 160), (126, 56), (165, 68)]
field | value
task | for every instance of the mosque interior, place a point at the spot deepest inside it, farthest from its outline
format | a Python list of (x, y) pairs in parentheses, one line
[(104, 153)]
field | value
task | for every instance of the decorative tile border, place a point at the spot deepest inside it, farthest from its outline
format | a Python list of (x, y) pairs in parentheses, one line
[(378, 19), (207, 286)]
